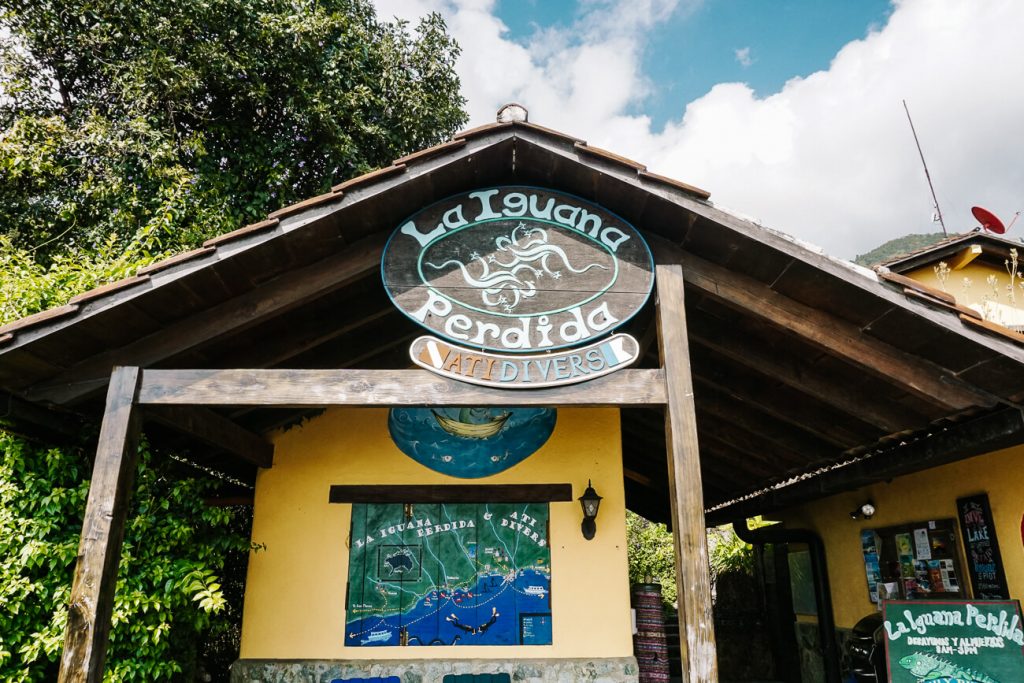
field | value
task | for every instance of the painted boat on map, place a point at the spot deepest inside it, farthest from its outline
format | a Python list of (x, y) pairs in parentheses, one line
[(470, 430)]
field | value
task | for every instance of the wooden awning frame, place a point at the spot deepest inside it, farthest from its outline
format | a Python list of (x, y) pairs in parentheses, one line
[(133, 389)]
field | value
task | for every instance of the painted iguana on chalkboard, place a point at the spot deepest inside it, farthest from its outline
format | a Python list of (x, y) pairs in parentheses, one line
[(931, 669)]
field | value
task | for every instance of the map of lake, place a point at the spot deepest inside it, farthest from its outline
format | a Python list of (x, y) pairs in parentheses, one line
[(449, 574)]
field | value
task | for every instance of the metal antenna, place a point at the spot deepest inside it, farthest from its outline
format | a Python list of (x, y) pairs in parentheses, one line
[(927, 175)]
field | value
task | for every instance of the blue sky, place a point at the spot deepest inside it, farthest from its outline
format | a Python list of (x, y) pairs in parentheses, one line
[(763, 43), (802, 130)]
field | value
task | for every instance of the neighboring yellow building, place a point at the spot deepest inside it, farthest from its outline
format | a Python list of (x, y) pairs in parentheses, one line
[(911, 500), (982, 271), (980, 275)]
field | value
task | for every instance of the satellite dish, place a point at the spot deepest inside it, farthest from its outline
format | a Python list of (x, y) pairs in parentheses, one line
[(988, 220)]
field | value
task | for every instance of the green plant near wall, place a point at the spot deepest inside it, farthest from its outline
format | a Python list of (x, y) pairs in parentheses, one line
[(131, 131), (651, 555), (168, 590), (728, 553)]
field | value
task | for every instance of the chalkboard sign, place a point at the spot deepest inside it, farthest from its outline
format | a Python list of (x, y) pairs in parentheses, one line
[(983, 560), (975, 641)]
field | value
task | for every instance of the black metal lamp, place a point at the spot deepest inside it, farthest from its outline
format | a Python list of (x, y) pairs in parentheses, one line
[(590, 502)]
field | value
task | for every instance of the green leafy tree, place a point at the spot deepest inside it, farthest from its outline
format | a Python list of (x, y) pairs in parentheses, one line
[(130, 131), (651, 555), (187, 119), (728, 553), (168, 589)]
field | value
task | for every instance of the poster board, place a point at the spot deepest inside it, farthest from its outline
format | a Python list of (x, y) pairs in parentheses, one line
[(921, 559), (984, 563), (980, 641), (449, 574)]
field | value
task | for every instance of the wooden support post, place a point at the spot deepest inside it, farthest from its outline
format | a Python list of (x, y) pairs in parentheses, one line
[(99, 552), (696, 623)]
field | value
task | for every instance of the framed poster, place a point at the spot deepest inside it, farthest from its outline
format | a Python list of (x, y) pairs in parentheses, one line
[(984, 563), (916, 561), (449, 574), (980, 641)]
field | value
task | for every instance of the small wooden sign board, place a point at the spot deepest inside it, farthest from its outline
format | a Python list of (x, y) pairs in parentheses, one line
[(519, 371)]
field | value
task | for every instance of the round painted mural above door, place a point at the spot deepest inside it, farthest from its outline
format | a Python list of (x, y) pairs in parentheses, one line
[(470, 442)]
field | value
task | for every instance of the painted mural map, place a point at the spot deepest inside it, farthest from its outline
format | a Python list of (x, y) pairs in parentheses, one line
[(449, 574)]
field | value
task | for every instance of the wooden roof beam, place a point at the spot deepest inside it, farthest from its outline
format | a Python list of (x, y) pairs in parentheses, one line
[(712, 401), (272, 298), (215, 430), (983, 434), (843, 339), (782, 403), (324, 388), (801, 375)]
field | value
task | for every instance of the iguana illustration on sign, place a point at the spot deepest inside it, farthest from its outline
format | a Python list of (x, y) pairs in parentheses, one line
[(517, 269), (953, 641)]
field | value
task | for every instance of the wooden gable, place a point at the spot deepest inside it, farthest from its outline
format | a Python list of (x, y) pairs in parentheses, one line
[(811, 375)]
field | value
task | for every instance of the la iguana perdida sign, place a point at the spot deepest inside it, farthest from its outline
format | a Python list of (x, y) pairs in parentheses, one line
[(978, 641), (518, 270)]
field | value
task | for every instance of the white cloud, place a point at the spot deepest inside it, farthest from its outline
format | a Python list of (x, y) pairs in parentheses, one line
[(743, 56), (829, 158)]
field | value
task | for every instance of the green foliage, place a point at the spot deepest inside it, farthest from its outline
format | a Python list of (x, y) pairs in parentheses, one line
[(130, 131), (728, 553), (897, 247), (651, 555), (167, 590), (116, 116)]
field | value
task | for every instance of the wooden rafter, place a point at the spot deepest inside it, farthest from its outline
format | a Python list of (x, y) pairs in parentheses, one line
[(797, 373), (282, 293), (929, 382), (782, 403), (216, 430)]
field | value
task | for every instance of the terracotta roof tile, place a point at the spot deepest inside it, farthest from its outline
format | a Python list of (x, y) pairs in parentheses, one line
[(40, 317), (609, 156), (242, 232), (372, 176), (175, 260), (956, 308), (549, 132), (480, 130), (1004, 332), (299, 207), (672, 182), (431, 151), (910, 283), (108, 288)]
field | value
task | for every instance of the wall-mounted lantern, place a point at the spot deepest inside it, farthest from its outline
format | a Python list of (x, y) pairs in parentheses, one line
[(590, 502)]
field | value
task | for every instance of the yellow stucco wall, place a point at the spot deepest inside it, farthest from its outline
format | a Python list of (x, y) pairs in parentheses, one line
[(917, 497), (295, 593)]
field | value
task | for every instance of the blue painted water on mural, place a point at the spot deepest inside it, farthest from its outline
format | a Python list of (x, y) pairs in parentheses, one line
[(499, 610), (470, 442)]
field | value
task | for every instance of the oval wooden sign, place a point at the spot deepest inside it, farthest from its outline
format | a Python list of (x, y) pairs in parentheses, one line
[(517, 269)]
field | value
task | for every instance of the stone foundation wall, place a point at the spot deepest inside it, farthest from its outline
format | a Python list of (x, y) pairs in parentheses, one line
[(607, 670)]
